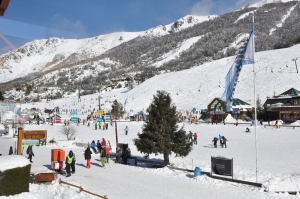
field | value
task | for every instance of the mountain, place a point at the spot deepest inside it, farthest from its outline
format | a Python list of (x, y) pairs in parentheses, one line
[(125, 59)]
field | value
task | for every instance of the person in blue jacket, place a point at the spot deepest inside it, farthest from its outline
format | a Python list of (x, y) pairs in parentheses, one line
[(93, 146), (220, 138), (126, 130)]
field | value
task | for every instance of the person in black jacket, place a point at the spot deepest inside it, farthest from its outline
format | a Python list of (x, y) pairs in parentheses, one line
[(88, 156), (126, 155), (30, 153), (215, 140)]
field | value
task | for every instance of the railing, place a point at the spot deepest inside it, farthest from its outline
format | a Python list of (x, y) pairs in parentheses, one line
[(81, 189)]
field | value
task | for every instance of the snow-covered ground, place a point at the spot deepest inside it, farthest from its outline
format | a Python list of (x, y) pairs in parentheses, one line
[(278, 160)]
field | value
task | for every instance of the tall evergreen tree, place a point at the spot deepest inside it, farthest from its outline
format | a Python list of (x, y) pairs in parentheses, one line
[(161, 135), (117, 109)]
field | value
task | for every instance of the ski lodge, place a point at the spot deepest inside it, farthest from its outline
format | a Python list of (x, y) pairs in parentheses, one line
[(217, 109), (285, 106)]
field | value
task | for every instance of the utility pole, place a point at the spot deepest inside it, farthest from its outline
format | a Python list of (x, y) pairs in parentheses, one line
[(116, 130)]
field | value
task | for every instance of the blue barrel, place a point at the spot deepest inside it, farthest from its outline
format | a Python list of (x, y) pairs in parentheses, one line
[(197, 172)]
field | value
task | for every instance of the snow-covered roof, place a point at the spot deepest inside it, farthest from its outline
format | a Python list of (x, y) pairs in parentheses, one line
[(12, 161)]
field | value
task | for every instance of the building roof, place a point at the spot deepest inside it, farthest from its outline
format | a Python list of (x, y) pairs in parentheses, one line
[(235, 102), (290, 92), (220, 105)]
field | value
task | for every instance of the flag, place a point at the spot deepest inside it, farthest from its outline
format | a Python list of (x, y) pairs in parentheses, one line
[(245, 56), (125, 102)]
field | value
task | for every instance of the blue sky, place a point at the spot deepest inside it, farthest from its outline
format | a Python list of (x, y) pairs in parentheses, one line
[(26, 20)]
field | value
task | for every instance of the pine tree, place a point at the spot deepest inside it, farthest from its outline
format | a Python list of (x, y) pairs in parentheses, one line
[(161, 135), (117, 109)]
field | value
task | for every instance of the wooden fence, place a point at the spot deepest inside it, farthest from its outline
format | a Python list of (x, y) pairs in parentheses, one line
[(81, 189)]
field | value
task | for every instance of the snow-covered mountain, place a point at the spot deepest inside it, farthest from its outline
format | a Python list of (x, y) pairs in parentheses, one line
[(42, 55), (52, 63)]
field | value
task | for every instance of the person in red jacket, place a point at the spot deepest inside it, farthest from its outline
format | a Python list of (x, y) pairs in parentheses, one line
[(103, 143), (195, 138)]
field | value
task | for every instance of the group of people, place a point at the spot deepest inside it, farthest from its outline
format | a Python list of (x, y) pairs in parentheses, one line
[(99, 124), (191, 136), (222, 139)]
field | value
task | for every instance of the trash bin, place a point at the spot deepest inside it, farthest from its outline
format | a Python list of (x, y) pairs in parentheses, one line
[(197, 172)]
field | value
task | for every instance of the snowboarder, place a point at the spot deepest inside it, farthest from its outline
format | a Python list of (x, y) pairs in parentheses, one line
[(30, 153), (215, 140), (87, 157), (224, 140), (195, 138), (69, 160), (126, 130), (190, 136)]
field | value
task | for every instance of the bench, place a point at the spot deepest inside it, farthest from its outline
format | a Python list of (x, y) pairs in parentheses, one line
[(45, 177)]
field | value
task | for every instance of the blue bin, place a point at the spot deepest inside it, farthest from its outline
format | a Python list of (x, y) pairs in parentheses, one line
[(197, 172)]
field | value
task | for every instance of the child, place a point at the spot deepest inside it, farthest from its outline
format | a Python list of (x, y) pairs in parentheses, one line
[(215, 140)]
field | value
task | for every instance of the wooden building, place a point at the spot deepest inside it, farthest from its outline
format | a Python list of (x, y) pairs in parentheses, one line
[(285, 106), (216, 109)]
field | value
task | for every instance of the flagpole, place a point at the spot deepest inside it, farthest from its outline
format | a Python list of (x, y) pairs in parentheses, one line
[(255, 113)]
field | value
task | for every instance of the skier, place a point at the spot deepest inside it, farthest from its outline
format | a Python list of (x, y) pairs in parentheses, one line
[(195, 138), (190, 136), (30, 153), (87, 156), (224, 140), (215, 140), (126, 130), (95, 125), (69, 160)]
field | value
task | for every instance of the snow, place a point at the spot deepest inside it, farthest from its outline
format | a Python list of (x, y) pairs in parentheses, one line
[(277, 161), (185, 45), (263, 2), (12, 161), (40, 53), (282, 20)]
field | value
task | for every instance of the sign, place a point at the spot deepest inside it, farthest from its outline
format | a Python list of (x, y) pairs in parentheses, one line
[(30, 135), (222, 166), (99, 119), (35, 135), (99, 112), (30, 142)]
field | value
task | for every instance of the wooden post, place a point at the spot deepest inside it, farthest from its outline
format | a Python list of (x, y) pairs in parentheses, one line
[(116, 130), (19, 145)]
